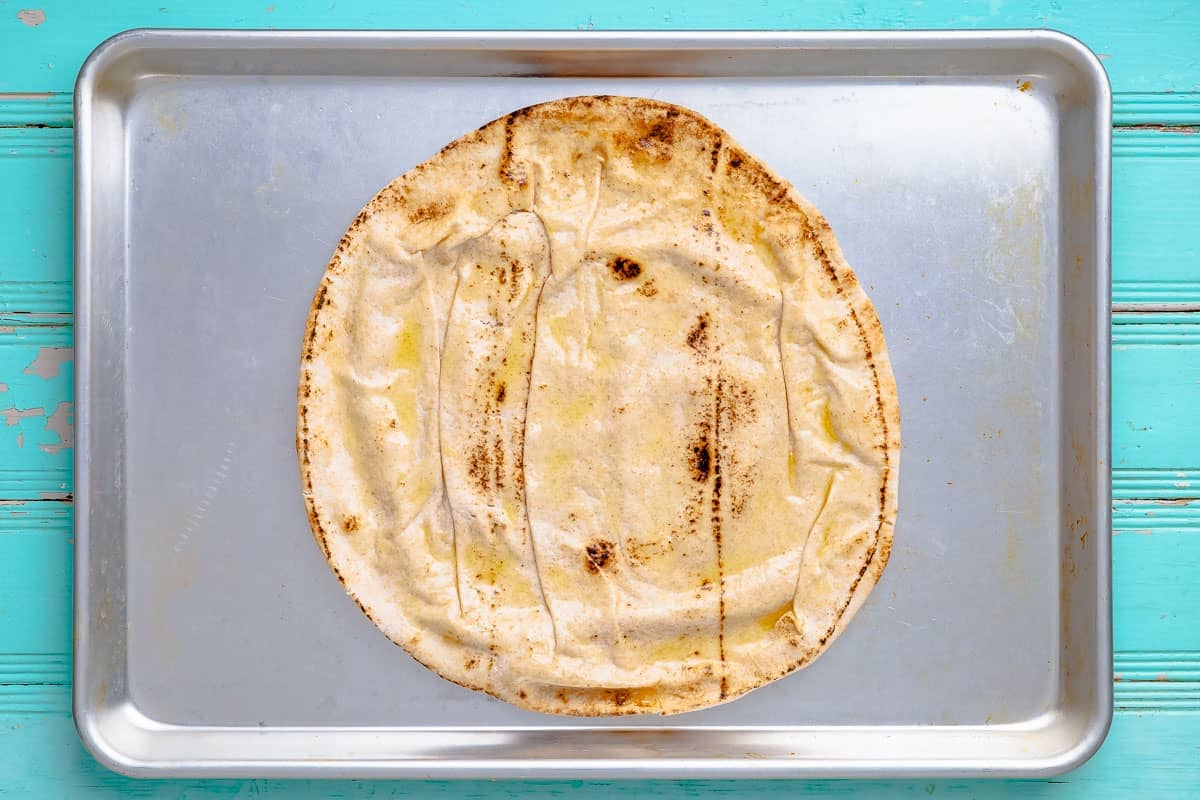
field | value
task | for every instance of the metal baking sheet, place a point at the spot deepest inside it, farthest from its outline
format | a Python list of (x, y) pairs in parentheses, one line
[(966, 176)]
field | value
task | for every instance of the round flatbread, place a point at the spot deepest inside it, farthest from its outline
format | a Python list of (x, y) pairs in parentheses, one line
[(595, 418)]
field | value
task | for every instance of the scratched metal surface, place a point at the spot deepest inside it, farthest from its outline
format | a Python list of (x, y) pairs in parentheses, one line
[(209, 203)]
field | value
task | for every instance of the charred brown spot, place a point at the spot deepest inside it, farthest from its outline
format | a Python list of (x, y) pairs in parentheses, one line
[(716, 154), (716, 528), (509, 173), (662, 132), (500, 392), (428, 212), (700, 461), (735, 161), (479, 465), (521, 694), (498, 461), (599, 554), (697, 337), (620, 697), (518, 268), (350, 523), (624, 268), (647, 289)]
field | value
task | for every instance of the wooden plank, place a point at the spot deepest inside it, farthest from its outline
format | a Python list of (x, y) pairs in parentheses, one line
[(1156, 597), (1155, 372), (1151, 516), (1150, 49), (1156, 108), (35, 213), (41, 109), (1156, 367), (1156, 600), (1155, 483), (1156, 245), (1146, 756), (35, 592), (1156, 241)]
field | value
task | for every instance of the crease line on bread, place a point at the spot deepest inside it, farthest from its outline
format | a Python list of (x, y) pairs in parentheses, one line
[(716, 529), (833, 473), (787, 395), (835, 278), (537, 308), (441, 449), (595, 209)]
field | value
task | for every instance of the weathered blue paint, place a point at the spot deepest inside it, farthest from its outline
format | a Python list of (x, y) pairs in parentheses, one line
[(1153, 57)]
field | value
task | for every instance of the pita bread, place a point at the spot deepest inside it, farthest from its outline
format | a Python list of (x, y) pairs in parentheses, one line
[(595, 418)]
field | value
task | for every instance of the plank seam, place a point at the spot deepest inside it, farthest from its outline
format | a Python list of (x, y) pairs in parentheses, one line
[(24, 297), (1156, 333), (1143, 680), (1131, 483), (33, 142), (1156, 141), (24, 516), (35, 669), (1181, 514), (1131, 109), (40, 110)]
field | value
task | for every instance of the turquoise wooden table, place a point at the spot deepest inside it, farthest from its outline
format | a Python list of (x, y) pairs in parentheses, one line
[(1152, 52)]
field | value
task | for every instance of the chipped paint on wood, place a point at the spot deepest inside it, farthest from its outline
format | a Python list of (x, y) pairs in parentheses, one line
[(14, 415), (62, 424), (32, 17), (32, 355), (49, 361)]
